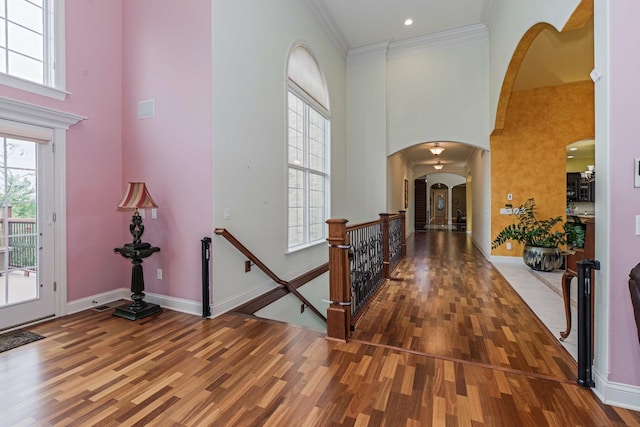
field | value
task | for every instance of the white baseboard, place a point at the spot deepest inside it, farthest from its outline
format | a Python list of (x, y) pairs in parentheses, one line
[(172, 303), (617, 394), (97, 300), (221, 307)]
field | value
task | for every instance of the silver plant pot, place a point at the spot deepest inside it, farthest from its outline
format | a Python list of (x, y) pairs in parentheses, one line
[(542, 259)]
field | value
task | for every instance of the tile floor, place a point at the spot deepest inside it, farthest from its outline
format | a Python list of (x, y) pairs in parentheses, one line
[(543, 294)]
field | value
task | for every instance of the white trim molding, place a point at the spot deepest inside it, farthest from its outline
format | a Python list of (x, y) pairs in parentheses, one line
[(170, 303), (438, 41), (26, 114), (327, 22), (32, 114), (616, 394), (390, 50), (369, 53), (92, 301)]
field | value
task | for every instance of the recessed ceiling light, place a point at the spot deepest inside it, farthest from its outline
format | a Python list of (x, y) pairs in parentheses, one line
[(569, 157), (573, 149), (408, 22)]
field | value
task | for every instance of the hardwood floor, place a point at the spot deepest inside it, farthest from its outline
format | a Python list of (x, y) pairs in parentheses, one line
[(457, 348)]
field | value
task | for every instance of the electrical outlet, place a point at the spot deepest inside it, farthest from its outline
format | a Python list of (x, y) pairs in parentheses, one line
[(509, 247), (154, 213), (159, 274), (509, 196)]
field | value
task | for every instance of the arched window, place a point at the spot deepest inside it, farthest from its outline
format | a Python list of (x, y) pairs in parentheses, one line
[(308, 140)]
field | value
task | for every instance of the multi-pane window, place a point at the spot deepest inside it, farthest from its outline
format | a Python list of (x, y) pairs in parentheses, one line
[(28, 48), (308, 172), (307, 151)]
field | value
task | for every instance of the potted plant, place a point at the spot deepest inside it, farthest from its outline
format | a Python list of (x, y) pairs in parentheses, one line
[(541, 238), (575, 235)]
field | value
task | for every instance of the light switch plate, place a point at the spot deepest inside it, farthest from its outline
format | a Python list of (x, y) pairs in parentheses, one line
[(637, 225), (636, 171)]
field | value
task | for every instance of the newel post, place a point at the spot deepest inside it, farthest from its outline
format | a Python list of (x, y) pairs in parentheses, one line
[(386, 253), (403, 215), (339, 312)]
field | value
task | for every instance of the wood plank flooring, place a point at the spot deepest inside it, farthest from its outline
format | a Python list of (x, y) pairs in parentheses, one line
[(447, 300), (173, 369)]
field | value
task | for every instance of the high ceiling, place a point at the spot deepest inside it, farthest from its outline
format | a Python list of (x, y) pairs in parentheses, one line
[(553, 58), (364, 22)]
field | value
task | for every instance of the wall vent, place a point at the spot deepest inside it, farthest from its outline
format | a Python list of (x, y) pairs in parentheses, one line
[(146, 109)]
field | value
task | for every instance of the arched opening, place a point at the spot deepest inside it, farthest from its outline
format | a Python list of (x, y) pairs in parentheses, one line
[(547, 102)]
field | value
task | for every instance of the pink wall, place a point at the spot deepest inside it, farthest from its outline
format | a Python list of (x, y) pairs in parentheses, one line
[(94, 146), (624, 146), (167, 56), (163, 50)]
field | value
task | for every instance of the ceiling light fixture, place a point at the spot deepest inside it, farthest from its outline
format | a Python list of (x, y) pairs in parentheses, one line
[(408, 21), (436, 149), (569, 157), (438, 165), (573, 149)]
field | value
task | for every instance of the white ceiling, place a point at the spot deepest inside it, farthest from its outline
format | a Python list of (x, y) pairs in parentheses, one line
[(365, 22), (553, 58)]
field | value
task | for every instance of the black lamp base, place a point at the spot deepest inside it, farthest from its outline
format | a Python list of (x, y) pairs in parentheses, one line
[(132, 312)]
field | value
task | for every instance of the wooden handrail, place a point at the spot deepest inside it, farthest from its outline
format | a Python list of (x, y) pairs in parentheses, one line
[(368, 223), (262, 266)]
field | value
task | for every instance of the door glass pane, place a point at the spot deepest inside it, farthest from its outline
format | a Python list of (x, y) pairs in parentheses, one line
[(18, 226)]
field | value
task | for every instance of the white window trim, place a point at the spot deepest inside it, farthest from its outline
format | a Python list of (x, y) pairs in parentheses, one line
[(21, 114), (298, 91), (58, 90)]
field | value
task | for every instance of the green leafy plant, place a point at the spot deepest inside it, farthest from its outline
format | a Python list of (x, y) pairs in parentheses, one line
[(531, 231), (575, 235)]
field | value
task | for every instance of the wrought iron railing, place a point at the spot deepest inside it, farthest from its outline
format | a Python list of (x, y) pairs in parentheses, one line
[(361, 258), (366, 266), (396, 240)]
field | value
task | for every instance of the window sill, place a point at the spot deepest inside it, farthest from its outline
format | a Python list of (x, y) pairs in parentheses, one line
[(291, 251), (33, 87)]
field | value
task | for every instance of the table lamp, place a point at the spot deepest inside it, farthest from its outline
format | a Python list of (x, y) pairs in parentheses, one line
[(136, 197)]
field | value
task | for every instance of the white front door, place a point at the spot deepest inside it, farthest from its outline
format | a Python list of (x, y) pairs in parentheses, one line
[(26, 232)]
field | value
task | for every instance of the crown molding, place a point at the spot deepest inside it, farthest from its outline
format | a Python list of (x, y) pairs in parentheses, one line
[(327, 22), (487, 11), (438, 41), (368, 53)]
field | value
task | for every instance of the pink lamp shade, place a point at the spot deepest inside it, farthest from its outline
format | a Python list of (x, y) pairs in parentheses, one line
[(136, 197)]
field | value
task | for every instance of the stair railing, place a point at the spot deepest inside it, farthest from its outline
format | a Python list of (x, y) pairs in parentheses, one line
[(361, 258), (262, 266)]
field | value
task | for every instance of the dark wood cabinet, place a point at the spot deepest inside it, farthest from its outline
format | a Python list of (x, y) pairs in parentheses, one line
[(580, 189), (573, 186)]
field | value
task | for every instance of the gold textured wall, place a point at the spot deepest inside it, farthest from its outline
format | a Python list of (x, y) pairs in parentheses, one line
[(528, 158)]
